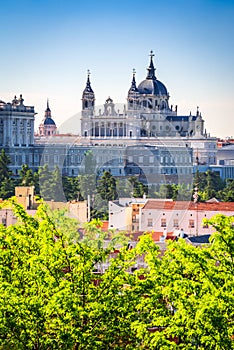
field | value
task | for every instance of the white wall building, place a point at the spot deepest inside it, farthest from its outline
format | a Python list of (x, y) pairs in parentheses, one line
[(170, 216)]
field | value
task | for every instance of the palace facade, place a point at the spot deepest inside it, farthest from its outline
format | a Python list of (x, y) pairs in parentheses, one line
[(147, 138)]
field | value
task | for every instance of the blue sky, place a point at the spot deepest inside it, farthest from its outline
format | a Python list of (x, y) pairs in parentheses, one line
[(47, 47)]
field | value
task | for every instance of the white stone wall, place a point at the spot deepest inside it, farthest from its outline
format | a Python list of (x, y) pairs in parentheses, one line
[(188, 220)]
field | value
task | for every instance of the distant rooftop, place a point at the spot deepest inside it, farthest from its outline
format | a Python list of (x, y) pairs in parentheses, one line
[(186, 205)]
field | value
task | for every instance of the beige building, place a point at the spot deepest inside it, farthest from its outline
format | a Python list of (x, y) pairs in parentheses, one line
[(25, 197), (124, 213)]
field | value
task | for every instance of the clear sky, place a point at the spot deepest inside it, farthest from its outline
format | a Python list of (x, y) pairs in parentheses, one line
[(47, 47)]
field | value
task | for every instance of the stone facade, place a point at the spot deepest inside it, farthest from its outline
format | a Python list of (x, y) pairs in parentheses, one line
[(147, 113), (147, 138), (16, 124)]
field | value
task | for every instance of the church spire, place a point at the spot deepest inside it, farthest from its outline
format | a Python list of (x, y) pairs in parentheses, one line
[(88, 84), (151, 69), (47, 111), (133, 94), (133, 87)]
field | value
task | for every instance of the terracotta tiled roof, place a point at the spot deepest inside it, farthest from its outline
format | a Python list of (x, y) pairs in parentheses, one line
[(105, 225), (186, 205)]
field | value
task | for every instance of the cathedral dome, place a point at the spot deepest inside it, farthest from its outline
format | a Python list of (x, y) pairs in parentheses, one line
[(49, 121), (152, 87)]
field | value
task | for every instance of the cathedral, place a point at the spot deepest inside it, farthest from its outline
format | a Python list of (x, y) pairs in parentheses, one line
[(146, 138), (147, 114)]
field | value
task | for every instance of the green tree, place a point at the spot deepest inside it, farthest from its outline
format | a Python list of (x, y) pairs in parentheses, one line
[(87, 185), (5, 172), (59, 290), (184, 192), (57, 192), (46, 187), (106, 191), (124, 187), (6, 182), (209, 185), (227, 194), (107, 187), (26, 176), (50, 294), (138, 188), (169, 191), (7, 188), (71, 187), (196, 286)]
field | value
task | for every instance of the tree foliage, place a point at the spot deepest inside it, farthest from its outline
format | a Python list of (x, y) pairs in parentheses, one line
[(138, 188), (52, 296), (5, 161)]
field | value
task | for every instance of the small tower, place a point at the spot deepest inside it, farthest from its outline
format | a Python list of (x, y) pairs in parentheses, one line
[(88, 98), (47, 126), (199, 124), (109, 107), (133, 94)]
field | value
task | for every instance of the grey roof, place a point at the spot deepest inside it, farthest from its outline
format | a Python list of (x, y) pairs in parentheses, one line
[(178, 118), (199, 239), (226, 148), (152, 87)]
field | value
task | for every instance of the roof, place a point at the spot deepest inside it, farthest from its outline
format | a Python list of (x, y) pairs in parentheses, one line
[(152, 87), (155, 235), (178, 118), (199, 239), (186, 205), (49, 121), (105, 225)]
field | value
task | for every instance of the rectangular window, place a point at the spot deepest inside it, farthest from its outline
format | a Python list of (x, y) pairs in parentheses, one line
[(163, 223), (150, 222), (175, 223), (191, 224)]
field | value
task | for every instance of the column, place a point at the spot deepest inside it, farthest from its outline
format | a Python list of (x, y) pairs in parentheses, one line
[(25, 136), (32, 132)]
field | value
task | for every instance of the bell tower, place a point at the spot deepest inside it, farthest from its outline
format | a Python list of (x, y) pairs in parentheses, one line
[(88, 99), (133, 94)]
